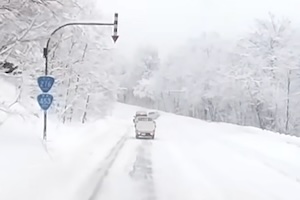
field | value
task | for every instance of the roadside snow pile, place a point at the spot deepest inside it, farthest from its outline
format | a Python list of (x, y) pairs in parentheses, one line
[(7, 95), (9, 104), (55, 169), (33, 169)]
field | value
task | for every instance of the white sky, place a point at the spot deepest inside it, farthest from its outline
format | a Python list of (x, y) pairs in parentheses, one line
[(166, 24)]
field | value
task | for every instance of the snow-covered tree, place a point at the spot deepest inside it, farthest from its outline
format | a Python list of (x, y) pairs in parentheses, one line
[(253, 81), (25, 27), (269, 56), (79, 57)]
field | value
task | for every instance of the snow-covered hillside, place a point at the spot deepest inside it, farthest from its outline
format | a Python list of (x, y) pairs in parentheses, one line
[(189, 159)]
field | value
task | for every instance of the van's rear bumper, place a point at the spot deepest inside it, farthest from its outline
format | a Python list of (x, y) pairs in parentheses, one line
[(144, 134)]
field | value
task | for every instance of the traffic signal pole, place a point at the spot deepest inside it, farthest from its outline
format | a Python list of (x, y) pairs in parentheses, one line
[(46, 50)]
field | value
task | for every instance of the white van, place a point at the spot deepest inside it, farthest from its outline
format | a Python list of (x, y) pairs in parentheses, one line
[(139, 114), (145, 127)]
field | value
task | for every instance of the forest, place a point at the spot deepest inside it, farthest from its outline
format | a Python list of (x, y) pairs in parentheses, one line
[(252, 80)]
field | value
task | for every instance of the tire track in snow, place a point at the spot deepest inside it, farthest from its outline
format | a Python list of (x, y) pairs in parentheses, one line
[(107, 164), (142, 171)]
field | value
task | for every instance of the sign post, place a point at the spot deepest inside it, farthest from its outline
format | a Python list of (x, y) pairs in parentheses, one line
[(45, 100), (46, 82)]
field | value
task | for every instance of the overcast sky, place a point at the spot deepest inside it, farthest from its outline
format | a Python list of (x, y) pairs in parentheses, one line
[(166, 24)]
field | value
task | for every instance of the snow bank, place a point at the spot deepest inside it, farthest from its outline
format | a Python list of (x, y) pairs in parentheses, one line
[(33, 169), (55, 169)]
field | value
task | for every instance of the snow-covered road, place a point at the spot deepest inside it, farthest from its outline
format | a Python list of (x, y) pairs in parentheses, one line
[(131, 175), (188, 159), (199, 160)]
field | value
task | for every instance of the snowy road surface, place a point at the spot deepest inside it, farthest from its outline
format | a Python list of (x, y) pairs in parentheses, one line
[(181, 164), (189, 159)]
